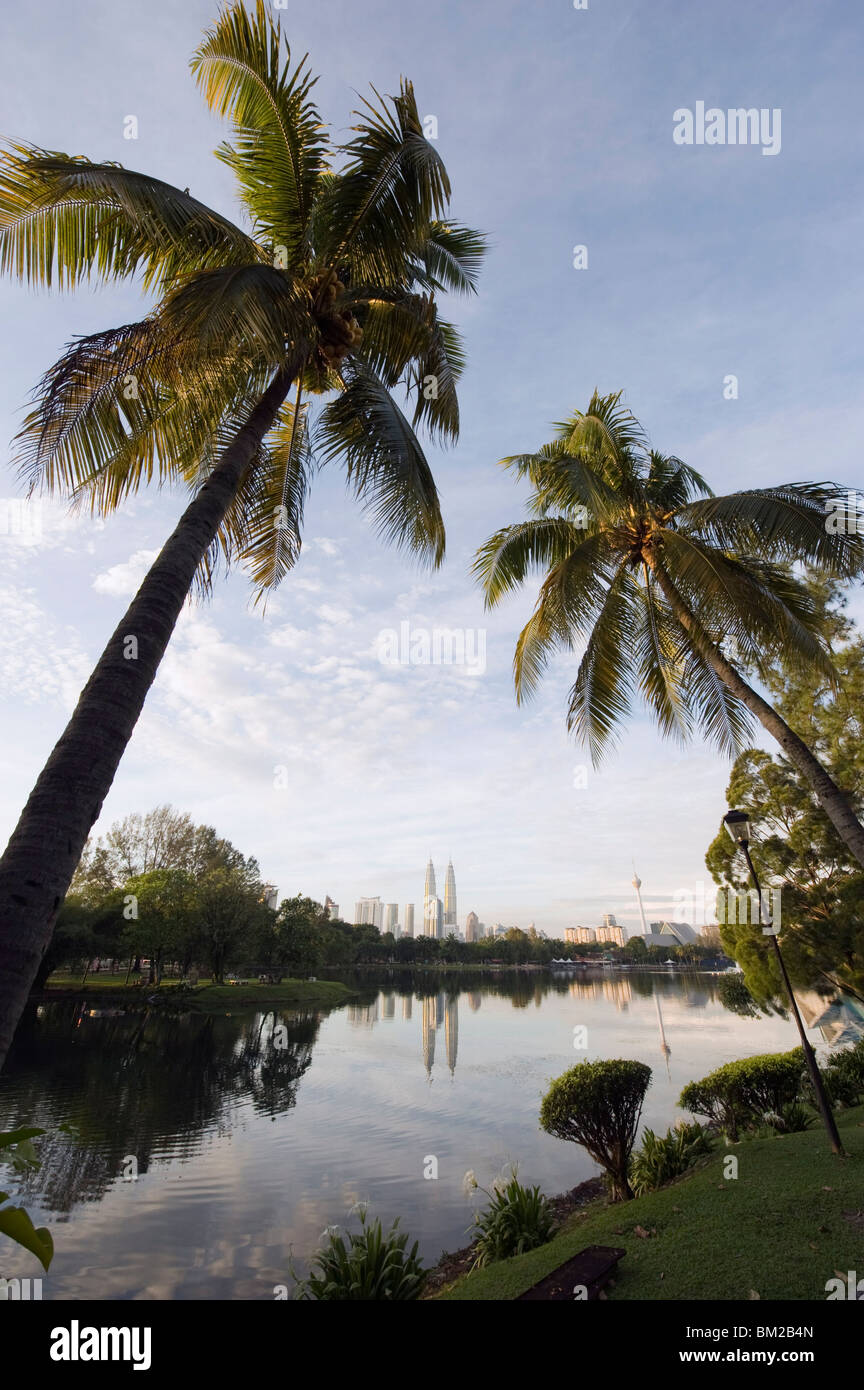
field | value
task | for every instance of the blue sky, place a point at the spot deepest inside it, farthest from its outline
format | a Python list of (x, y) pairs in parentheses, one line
[(556, 127)]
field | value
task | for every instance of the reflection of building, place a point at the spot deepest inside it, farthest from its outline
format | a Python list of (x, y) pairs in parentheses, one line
[(389, 1009), (427, 1033), (451, 1031), (580, 935), (474, 998), (450, 896), (407, 1000), (472, 925), (408, 920)]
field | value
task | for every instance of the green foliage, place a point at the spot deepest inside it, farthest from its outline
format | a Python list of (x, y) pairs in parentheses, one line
[(795, 844), (736, 997), (651, 574), (660, 1159), (848, 1066), (742, 1092), (16, 1149), (597, 1105), (368, 1265), (791, 1118), (517, 1219)]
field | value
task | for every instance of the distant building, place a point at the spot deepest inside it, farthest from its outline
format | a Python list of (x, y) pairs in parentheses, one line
[(433, 917), (472, 925), (666, 934), (580, 935), (369, 912), (450, 897), (610, 931), (331, 908), (408, 921), (391, 917), (499, 930), (270, 895)]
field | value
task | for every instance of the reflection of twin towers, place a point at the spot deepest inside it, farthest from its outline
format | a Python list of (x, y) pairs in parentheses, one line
[(436, 1009)]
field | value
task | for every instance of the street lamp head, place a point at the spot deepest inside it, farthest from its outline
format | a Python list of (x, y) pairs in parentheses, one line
[(738, 825)]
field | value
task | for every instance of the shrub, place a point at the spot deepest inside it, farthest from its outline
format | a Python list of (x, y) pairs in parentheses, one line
[(517, 1219), (659, 1160), (372, 1265), (740, 1093), (845, 1070), (597, 1105), (791, 1119)]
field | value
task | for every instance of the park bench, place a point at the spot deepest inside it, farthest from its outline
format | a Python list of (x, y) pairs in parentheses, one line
[(591, 1269)]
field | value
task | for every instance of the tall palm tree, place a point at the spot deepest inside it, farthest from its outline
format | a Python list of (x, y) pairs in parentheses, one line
[(331, 295), (657, 577)]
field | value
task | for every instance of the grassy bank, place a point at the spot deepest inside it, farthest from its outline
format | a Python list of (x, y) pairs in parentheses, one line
[(208, 998), (793, 1217)]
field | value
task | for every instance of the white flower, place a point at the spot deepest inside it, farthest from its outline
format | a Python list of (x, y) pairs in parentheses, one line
[(469, 1182)]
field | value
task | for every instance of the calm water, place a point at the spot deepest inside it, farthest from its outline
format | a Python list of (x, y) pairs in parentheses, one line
[(249, 1141)]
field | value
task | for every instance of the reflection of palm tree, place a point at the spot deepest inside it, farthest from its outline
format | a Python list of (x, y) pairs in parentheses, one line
[(664, 1046)]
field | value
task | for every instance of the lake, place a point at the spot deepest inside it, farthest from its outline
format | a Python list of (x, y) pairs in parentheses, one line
[(207, 1152)]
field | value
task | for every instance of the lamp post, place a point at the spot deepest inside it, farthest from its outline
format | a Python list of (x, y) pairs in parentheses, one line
[(738, 825)]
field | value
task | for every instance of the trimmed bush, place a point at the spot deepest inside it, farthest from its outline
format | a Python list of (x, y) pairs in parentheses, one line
[(517, 1219), (597, 1105), (741, 1093), (659, 1160), (372, 1265)]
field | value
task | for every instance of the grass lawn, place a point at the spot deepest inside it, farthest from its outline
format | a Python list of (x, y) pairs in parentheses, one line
[(208, 998), (793, 1217)]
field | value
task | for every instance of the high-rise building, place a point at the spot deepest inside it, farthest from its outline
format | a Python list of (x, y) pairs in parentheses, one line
[(369, 912), (429, 888), (580, 935), (450, 896), (611, 932), (472, 923), (331, 908), (391, 917), (270, 895), (408, 921), (433, 917)]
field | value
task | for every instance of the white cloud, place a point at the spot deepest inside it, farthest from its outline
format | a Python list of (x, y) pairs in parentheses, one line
[(123, 580)]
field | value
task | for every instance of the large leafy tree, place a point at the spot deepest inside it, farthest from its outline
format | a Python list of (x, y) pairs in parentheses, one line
[(331, 296), (676, 594), (796, 847)]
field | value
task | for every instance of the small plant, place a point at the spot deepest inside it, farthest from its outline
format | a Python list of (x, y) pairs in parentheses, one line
[(791, 1118), (517, 1219), (597, 1105), (660, 1159), (845, 1074), (16, 1149), (369, 1265)]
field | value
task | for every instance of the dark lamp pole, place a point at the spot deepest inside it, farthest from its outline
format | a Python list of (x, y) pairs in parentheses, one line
[(738, 825)]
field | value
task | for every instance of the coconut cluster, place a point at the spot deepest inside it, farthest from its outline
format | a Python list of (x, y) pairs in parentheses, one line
[(340, 331)]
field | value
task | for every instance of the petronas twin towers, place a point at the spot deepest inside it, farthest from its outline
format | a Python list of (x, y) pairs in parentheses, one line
[(438, 917)]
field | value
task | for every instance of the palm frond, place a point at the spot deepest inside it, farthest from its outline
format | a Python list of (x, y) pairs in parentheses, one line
[(280, 146), (64, 219), (385, 464), (253, 309), (785, 523), (450, 257), (602, 694)]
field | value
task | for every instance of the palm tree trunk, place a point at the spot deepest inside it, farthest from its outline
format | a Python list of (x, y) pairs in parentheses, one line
[(41, 857), (834, 802)]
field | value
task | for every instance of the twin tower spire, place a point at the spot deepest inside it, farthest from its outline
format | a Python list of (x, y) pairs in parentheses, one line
[(438, 916)]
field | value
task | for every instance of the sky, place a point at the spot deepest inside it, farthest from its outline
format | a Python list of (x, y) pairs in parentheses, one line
[(343, 774)]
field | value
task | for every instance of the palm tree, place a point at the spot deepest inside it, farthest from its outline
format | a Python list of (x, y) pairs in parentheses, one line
[(330, 297), (657, 576)]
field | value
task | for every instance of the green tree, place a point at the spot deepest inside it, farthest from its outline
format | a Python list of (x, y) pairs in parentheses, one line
[(333, 293), (675, 592), (292, 942), (229, 913), (161, 912), (796, 848)]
